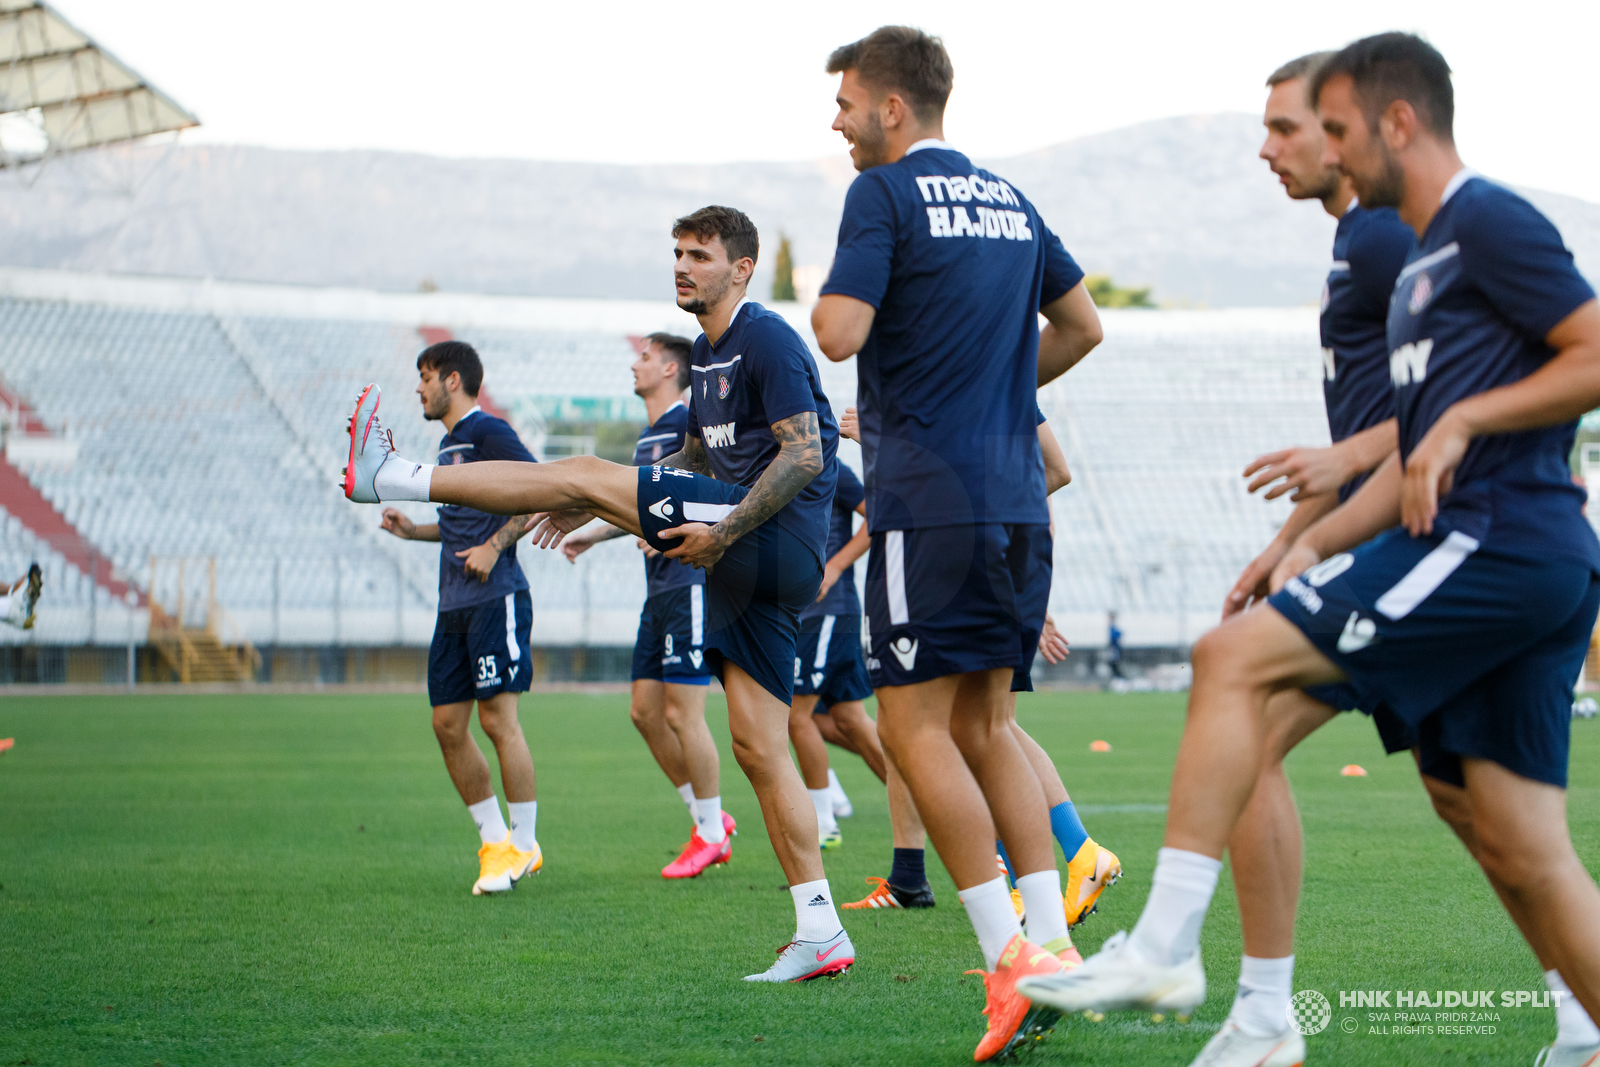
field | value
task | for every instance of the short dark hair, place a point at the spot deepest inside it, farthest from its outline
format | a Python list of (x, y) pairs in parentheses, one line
[(1395, 66), (901, 59), (734, 228), (1304, 67), (454, 357), (676, 349)]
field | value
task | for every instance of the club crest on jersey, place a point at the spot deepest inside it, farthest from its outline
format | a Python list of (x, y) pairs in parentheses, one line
[(1421, 293), (457, 457), (723, 385), (655, 453)]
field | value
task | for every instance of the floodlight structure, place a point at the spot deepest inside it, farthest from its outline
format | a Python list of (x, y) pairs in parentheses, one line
[(61, 92)]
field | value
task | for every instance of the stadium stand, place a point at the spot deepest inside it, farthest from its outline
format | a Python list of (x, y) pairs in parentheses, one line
[(204, 420)]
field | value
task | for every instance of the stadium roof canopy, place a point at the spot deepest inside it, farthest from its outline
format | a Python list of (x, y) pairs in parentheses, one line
[(62, 92)]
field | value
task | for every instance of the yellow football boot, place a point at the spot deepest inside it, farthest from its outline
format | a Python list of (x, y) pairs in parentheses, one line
[(501, 863), (1088, 874)]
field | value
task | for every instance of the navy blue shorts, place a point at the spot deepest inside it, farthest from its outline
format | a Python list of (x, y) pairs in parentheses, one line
[(828, 662), (1395, 733), (671, 643), (955, 599), (756, 591), (481, 651), (1474, 651)]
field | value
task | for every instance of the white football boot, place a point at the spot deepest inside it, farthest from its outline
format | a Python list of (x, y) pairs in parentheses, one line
[(370, 447), (1568, 1056), (1118, 978), (1232, 1047), (842, 808), (801, 960)]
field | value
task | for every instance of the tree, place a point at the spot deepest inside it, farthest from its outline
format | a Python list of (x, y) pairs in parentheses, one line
[(1105, 293), (783, 271)]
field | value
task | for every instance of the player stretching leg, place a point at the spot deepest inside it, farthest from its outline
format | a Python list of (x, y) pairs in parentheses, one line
[(1471, 622), (830, 673), (480, 643), (938, 281), (670, 674), (21, 597), (759, 421)]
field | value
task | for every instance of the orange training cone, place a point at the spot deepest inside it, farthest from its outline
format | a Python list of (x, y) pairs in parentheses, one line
[(1099, 746), (6, 743), (1352, 770)]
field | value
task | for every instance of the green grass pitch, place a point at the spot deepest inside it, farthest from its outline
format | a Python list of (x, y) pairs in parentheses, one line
[(285, 880)]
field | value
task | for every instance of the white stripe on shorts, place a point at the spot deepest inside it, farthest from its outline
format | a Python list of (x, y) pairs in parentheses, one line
[(823, 637), (894, 558), (694, 511), (1428, 575), (511, 628), (697, 614)]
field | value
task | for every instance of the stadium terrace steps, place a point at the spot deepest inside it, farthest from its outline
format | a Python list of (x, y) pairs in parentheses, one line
[(19, 497)]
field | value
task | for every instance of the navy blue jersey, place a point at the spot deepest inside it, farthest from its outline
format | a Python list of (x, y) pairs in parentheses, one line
[(477, 436), (842, 599), (759, 372), (1369, 248), (1482, 289), (662, 438), (957, 264)]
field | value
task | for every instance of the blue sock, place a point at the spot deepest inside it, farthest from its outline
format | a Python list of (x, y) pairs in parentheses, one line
[(1000, 847), (1068, 828), (908, 871)]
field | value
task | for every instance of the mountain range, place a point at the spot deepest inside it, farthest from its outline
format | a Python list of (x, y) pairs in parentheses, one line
[(1181, 205)]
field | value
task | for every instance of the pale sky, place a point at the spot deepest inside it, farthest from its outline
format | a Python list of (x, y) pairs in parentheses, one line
[(631, 82)]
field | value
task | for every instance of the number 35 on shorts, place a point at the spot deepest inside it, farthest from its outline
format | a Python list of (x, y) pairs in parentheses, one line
[(488, 670)]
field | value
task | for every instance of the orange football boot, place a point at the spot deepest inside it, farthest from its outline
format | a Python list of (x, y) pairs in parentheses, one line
[(1013, 1018)]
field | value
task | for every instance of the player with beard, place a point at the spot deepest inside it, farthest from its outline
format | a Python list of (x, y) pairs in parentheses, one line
[(1457, 588), (480, 644), (670, 675), (746, 500), (940, 275), (1369, 248)]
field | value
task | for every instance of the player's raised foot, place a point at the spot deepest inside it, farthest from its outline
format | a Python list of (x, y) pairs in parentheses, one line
[(1013, 1017), (30, 598), (892, 896), (370, 447), (1568, 1056), (831, 840), (1119, 978), (525, 863), (800, 961), (1234, 1047), (1088, 874), (697, 855), (500, 864)]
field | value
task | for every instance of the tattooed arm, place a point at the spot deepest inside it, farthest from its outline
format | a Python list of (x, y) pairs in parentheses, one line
[(799, 460), (692, 457), (480, 560)]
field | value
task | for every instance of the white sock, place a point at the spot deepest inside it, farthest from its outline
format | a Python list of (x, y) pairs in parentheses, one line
[(814, 916), (524, 820), (401, 479), (686, 791), (993, 918), (1041, 900), (822, 800), (486, 813), (708, 820), (1261, 1005), (833, 782), (1573, 1025), (1168, 931)]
